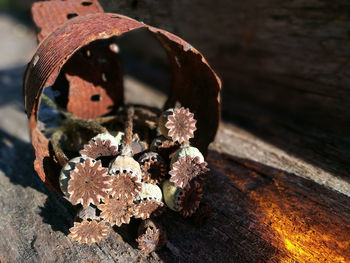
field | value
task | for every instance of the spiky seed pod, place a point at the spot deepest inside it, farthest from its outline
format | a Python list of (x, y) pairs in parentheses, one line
[(146, 208), (138, 147), (172, 195), (65, 173), (125, 164), (153, 172), (88, 213), (116, 211), (149, 223), (191, 198), (147, 156), (185, 169), (88, 232), (154, 226), (125, 186), (184, 151), (153, 168), (163, 119), (181, 125), (151, 240), (164, 147), (89, 183), (99, 148), (150, 192)]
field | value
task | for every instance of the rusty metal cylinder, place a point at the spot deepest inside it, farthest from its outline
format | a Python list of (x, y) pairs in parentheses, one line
[(194, 84)]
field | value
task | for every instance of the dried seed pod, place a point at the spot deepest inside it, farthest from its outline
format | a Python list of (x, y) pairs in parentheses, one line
[(184, 151), (125, 186), (125, 164), (138, 147), (103, 144), (191, 198), (150, 192), (88, 213), (66, 173), (153, 168), (181, 125), (152, 237), (163, 119), (147, 208), (147, 156), (185, 169), (116, 211), (115, 137), (99, 148), (153, 172), (172, 195), (166, 148), (89, 183), (88, 231)]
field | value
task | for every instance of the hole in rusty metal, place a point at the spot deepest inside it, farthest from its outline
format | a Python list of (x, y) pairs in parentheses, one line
[(86, 3), (96, 97), (71, 15)]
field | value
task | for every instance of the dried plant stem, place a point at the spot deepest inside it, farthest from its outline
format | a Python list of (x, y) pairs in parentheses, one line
[(93, 125), (129, 132), (52, 104), (55, 141), (129, 126)]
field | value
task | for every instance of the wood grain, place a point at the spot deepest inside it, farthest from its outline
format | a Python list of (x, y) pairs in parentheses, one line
[(259, 213), (284, 67)]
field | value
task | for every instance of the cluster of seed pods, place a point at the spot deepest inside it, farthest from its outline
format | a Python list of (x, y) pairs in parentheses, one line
[(117, 177)]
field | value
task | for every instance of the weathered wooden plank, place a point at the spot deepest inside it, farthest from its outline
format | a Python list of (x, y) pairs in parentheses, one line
[(262, 211), (284, 67), (259, 213)]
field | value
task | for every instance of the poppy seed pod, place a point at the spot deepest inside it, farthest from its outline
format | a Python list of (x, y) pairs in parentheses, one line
[(184, 151), (65, 173)]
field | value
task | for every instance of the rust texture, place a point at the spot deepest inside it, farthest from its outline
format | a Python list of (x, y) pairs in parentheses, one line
[(71, 54), (49, 15)]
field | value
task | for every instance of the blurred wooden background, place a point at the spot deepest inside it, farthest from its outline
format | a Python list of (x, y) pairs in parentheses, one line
[(281, 185)]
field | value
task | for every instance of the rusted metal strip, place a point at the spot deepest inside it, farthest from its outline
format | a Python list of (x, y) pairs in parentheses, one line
[(48, 15)]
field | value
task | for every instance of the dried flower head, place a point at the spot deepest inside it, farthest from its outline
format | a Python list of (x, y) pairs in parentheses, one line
[(148, 156), (152, 239), (181, 125), (153, 171), (187, 168), (98, 148), (148, 241), (88, 231), (65, 173), (125, 186), (125, 164), (89, 183), (150, 192), (191, 198), (146, 208), (164, 147), (116, 211)]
